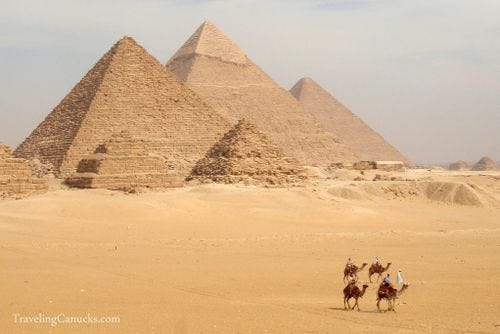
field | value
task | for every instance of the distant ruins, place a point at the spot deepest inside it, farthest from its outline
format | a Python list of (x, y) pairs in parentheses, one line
[(16, 179), (245, 154)]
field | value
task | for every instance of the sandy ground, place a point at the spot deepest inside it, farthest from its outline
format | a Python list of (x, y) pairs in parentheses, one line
[(235, 259)]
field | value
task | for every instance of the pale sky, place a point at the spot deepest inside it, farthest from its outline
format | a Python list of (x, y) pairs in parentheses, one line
[(425, 74)]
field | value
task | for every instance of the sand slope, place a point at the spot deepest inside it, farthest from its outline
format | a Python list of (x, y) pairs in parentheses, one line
[(228, 259)]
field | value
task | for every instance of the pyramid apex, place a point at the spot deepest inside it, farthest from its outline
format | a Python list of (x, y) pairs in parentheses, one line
[(210, 41), (305, 82)]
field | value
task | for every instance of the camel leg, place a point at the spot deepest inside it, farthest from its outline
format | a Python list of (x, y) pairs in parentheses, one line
[(345, 308), (348, 305), (378, 305), (357, 305), (370, 277)]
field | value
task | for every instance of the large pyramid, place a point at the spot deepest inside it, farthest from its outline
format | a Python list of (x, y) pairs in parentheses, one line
[(16, 178), (123, 163), (128, 89), (335, 117), (246, 154), (218, 70)]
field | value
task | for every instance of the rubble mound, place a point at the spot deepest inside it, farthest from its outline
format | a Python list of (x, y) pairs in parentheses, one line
[(245, 154), (123, 163), (16, 179)]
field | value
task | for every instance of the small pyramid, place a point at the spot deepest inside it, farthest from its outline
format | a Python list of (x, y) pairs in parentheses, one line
[(486, 163), (219, 71), (246, 154), (335, 117), (16, 179), (122, 163), (128, 89), (460, 165)]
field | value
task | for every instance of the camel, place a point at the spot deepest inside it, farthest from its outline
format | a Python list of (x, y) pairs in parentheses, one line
[(389, 293), (353, 271), (352, 291), (374, 269)]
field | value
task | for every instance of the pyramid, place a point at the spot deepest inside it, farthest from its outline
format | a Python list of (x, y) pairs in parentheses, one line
[(459, 165), (246, 154), (219, 71), (335, 117), (16, 179), (128, 89), (122, 163), (486, 163)]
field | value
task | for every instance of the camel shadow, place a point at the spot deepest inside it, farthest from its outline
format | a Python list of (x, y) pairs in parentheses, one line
[(355, 310)]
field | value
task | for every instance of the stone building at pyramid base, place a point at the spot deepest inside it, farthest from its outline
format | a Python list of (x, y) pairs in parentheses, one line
[(123, 163), (246, 155), (16, 179)]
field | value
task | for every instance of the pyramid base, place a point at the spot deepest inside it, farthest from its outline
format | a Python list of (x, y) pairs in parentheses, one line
[(124, 181)]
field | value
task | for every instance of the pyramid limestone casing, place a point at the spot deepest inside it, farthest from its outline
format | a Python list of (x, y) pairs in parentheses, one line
[(351, 130), (128, 89), (218, 70), (123, 162), (15, 176), (246, 154)]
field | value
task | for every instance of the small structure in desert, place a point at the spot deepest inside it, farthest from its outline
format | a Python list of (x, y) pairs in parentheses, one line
[(486, 163), (388, 166), (245, 154), (460, 165), (16, 179), (123, 163)]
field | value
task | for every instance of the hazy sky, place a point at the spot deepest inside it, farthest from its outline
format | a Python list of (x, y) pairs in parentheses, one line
[(425, 74)]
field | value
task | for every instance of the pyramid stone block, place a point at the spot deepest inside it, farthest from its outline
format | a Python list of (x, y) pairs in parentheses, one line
[(219, 71), (335, 117), (16, 179), (246, 154), (121, 163), (128, 89)]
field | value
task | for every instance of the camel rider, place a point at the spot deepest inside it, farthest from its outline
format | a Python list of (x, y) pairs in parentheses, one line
[(349, 264), (387, 280), (377, 262)]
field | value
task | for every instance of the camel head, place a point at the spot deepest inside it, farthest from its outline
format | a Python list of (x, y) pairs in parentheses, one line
[(403, 288), (365, 286), (388, 265)]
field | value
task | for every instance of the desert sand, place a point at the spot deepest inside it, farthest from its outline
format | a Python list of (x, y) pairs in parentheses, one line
[(242, 259)]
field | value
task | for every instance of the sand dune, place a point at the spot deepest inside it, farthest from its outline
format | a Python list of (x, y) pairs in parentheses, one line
[(230, 258)]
